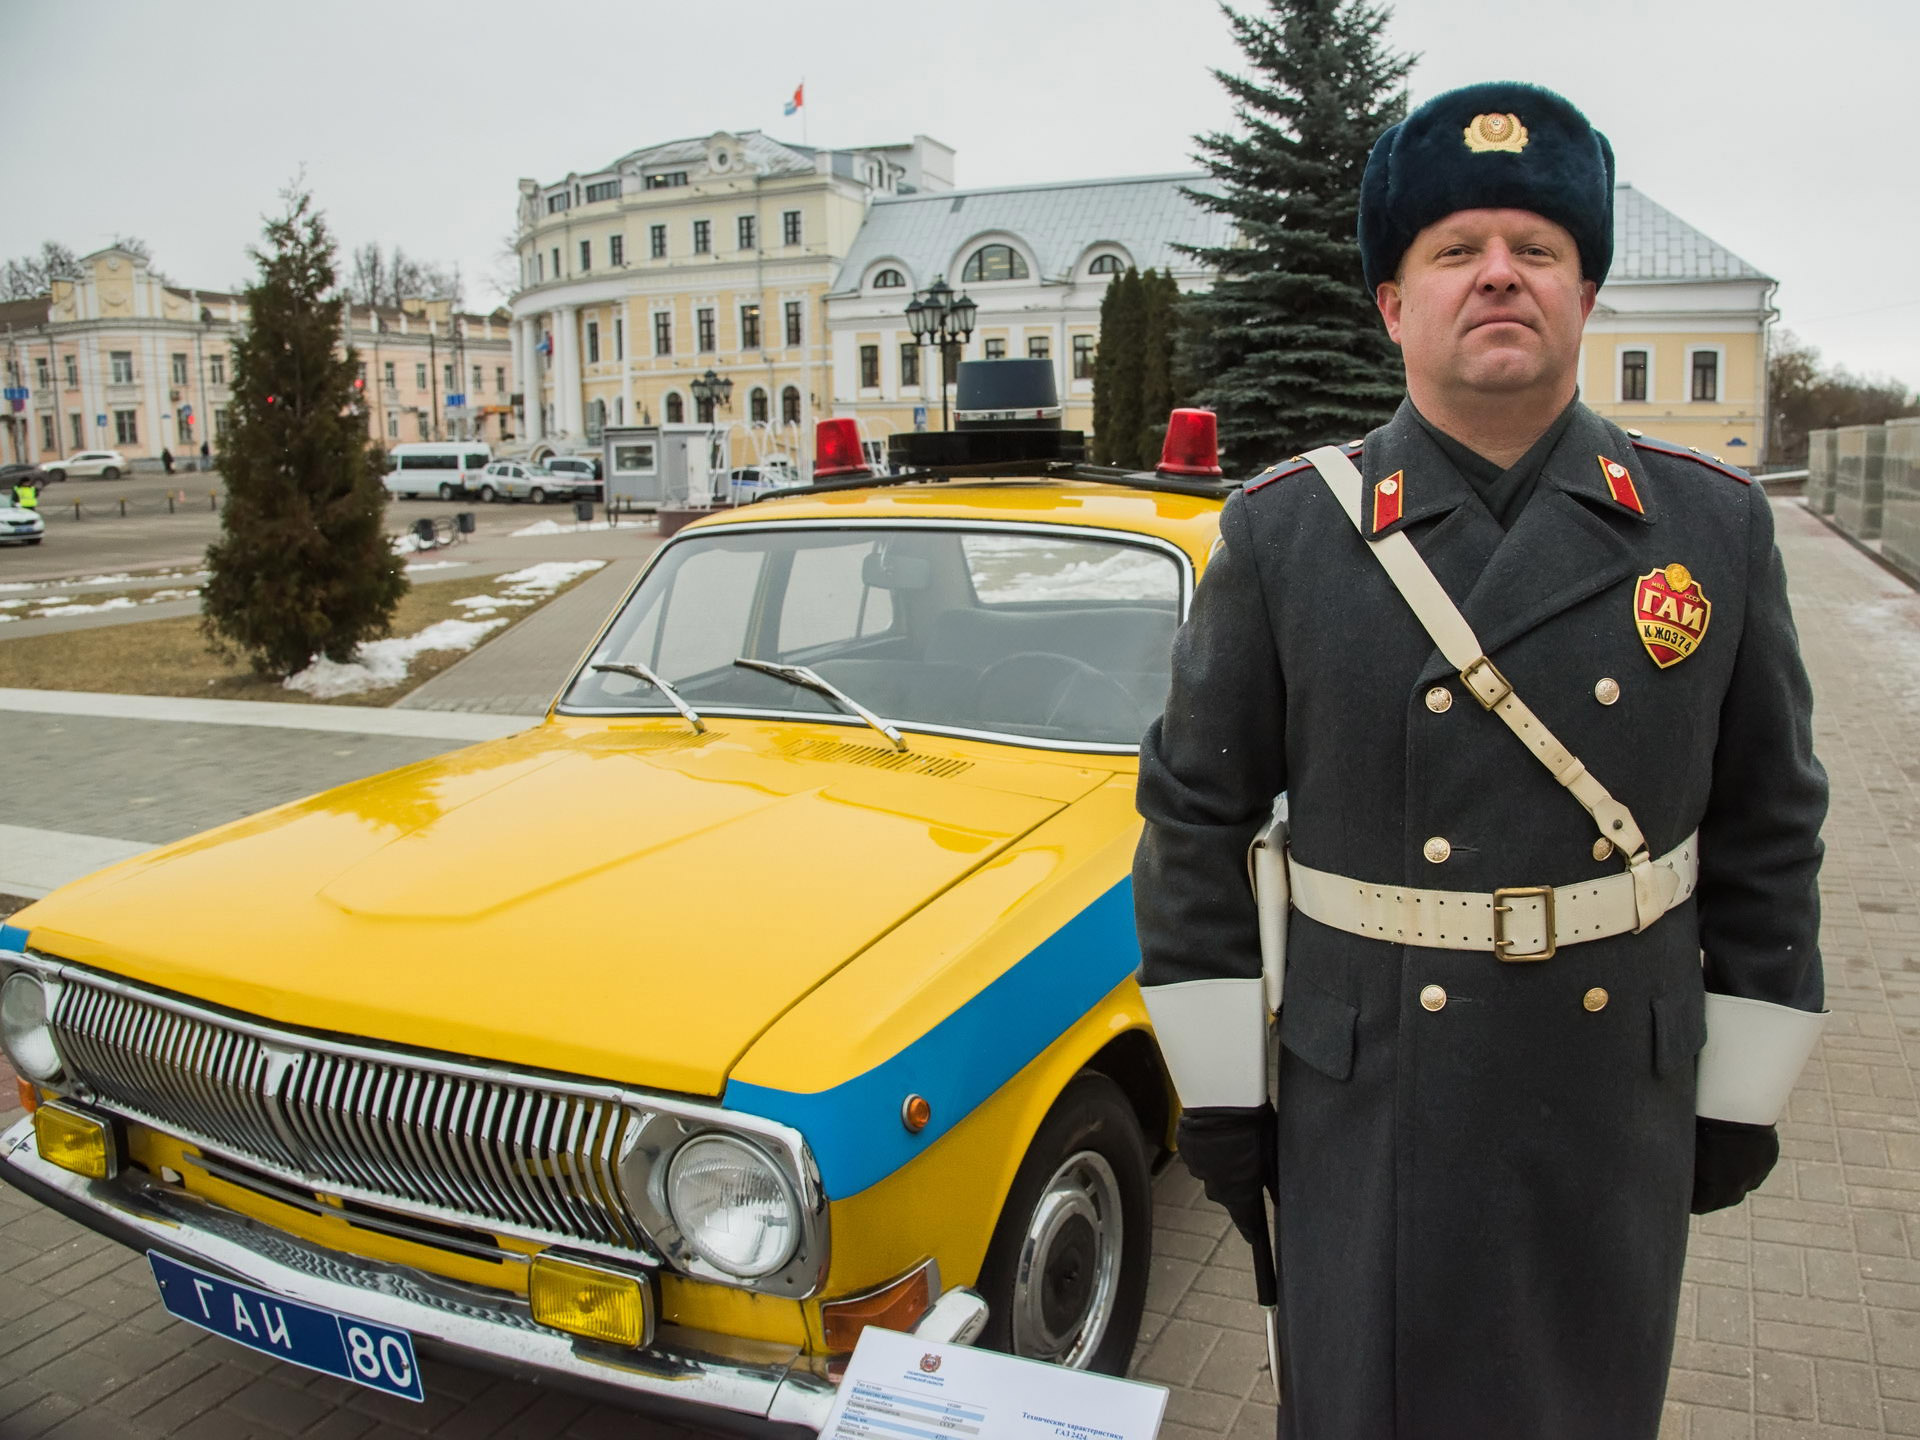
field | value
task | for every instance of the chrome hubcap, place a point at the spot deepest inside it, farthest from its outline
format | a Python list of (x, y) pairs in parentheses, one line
[(1069, 1270)]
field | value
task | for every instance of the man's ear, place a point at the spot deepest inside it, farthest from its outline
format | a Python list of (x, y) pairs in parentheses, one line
[(1386, 298), (1588, 289)]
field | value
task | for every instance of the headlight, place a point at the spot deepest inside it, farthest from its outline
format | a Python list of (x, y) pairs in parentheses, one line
[(24, 1029), (733, 1205)]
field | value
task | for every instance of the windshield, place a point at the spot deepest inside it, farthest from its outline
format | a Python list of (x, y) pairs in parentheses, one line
[(1056, 637)]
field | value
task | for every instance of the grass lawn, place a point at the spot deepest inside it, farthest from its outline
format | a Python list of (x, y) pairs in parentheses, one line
[(170, 657)]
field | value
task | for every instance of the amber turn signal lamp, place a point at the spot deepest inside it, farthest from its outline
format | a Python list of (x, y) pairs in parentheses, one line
[(915, 1112), (836, 449), (1192, 446), (75, 1141), (587, 1301), (897, 1305), (29, 1094)]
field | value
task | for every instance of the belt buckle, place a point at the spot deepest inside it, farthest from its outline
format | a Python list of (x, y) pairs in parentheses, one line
[(1505, 690), (1520, 892)]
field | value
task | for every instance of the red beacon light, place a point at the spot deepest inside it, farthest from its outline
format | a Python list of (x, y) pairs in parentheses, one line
[(837, 453), (1192, 446)]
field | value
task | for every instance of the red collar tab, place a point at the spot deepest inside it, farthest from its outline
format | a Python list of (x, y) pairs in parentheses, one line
[(1620, 485), (1388, 496)]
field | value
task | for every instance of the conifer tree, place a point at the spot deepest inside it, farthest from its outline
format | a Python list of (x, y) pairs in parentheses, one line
[(1287, 345), (303, 566), (1117, 371), (1160, 390)]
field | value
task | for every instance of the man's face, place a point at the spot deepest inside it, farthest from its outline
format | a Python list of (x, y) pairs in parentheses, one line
[(1488, 302)]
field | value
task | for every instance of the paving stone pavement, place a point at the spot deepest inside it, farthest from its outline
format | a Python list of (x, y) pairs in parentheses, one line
[(1800, 1313)]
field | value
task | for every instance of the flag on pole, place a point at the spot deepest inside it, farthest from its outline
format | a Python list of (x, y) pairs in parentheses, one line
[(799, 98)]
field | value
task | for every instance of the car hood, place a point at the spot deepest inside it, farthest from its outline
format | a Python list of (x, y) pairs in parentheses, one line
[(628, 901)]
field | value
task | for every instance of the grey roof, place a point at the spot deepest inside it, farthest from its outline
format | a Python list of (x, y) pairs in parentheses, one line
[(1144, 214), (1650, 242), (768, 156)]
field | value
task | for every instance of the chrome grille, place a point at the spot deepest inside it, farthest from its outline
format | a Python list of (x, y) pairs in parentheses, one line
[(445, 1139)]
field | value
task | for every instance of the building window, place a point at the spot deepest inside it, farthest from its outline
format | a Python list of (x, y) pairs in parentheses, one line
[(995, 262), (1633, 374), (666, 180), (79, 437), (617, 250), (757, 406), (663, 332), (889, 280), (43, 372), (1104, 265), (619, 339), (789, 227), (1706, 374), (1039, 347), (556, 262), (795, 329), (790, 406), (122, 366), (539, 267), (559, 202), (447, 382), (125, 431), (216, 370), (703, 409), (704, 330), (994, 349), (657, 241), (909, 364), (619, 409), (391, 382), (749, 327), (586, 256), (748, 232), (869, 367), (479, 380), (500, 378), (676, 408), (219, 421), (603, 190), (420, 376), (1083, 357), (593, 342), (703, 237), (179, 369), (393, 426), (46, 431), (420, 420), (73, 371)]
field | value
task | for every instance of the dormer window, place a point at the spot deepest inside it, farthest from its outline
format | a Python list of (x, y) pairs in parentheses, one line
[(561, 201), (995, 262), (889, 280), (1105, 265), (603, 190)]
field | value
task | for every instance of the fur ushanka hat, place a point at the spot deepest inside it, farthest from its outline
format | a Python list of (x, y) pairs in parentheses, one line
[(1496, 146)]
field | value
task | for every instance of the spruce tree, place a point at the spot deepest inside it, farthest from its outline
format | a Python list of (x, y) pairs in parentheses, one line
[(303, 566), (1117, 371), (1287, 345), (1159, 389)]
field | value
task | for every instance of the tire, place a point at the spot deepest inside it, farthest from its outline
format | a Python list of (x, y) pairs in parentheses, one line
[(537, 495), (487, 496), (56, 476), (1065, 1279), (112, 472)]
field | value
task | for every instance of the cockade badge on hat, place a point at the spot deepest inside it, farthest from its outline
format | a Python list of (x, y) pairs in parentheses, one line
[(1671, 611), (1496, 132)]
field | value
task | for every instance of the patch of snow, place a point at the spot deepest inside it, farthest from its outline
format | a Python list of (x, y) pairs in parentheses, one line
[(23, 586), (114, 579), (381, 663), (59, 610), (438, 565), (10, 604), (548, 575), (554, 527), (157, 596), (1017, 567), (408, 543)]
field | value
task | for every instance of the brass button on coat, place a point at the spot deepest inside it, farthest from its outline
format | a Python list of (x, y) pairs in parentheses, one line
[(1433, 997), (1606, 690), (1595, 999), (1602, 848), (1437, 849), (1439, 699)]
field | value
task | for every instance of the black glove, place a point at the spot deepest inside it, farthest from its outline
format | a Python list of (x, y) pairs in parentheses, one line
[(1729, 1159), (1232, 1151)]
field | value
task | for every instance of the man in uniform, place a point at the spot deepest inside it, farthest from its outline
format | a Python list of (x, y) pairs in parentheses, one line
[(1554, 829)]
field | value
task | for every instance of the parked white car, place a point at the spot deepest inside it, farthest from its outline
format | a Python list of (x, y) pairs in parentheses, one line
[(517, 480), (106, 464), (20, 526), (583, 470)]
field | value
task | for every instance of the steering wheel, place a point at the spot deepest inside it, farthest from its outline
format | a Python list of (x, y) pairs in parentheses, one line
[(1032, 672)]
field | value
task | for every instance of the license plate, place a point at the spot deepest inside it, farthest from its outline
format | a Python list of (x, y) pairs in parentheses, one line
[(377, 1356)]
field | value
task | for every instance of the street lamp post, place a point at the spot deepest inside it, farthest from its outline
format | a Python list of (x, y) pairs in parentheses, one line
[(937, 317), (709, 391)]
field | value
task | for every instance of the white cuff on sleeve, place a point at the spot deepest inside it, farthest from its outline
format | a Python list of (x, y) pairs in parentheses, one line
[(1753, 1055), (1213, 1036)]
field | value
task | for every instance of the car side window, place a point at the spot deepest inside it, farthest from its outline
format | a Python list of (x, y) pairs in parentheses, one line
[(827, 599)]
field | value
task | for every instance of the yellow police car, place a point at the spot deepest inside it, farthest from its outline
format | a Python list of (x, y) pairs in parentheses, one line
[(779, 984)]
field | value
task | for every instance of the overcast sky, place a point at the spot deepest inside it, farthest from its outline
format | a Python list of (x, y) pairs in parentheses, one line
[(1782, 128)]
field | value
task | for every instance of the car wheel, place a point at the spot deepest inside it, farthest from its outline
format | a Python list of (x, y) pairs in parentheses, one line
[(56, 476), (487, 496), (1065, 1277), (447, 492), (537, 495), (112, 472)]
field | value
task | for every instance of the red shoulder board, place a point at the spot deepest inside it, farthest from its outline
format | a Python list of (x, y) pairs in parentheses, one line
[(1294, 467), (1681, 452)]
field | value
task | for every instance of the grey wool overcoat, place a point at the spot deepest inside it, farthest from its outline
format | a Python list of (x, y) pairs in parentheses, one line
[(1484, 1192)]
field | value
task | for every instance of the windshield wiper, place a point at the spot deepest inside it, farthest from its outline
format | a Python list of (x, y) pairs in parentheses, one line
[(665, 687), (800, 675)]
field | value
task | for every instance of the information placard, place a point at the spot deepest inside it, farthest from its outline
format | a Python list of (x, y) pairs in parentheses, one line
[(898, 1387)]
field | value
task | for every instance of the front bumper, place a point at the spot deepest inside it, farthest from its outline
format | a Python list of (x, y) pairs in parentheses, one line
[(688, 1374)]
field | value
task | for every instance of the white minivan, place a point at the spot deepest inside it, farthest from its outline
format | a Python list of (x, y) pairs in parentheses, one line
[(449, 469)]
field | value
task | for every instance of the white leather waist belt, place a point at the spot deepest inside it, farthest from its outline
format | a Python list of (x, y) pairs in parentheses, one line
[(1519, 922)]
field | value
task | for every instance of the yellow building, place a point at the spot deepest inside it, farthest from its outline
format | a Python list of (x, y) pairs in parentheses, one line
[(1677, 344), (122, 359), (712, 254)]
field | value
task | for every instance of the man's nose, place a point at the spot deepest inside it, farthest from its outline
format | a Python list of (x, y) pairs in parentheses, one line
[(1497, 270)]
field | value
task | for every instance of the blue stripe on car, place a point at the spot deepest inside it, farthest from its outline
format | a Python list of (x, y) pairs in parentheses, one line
[(13, 937), (854, 1129)]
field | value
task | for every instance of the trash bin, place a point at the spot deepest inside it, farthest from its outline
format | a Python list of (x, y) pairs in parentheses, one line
[(463, 521), (423, 530), (583, 511)]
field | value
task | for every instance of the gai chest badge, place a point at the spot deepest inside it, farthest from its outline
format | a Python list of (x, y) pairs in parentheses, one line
[(1671, 611)]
